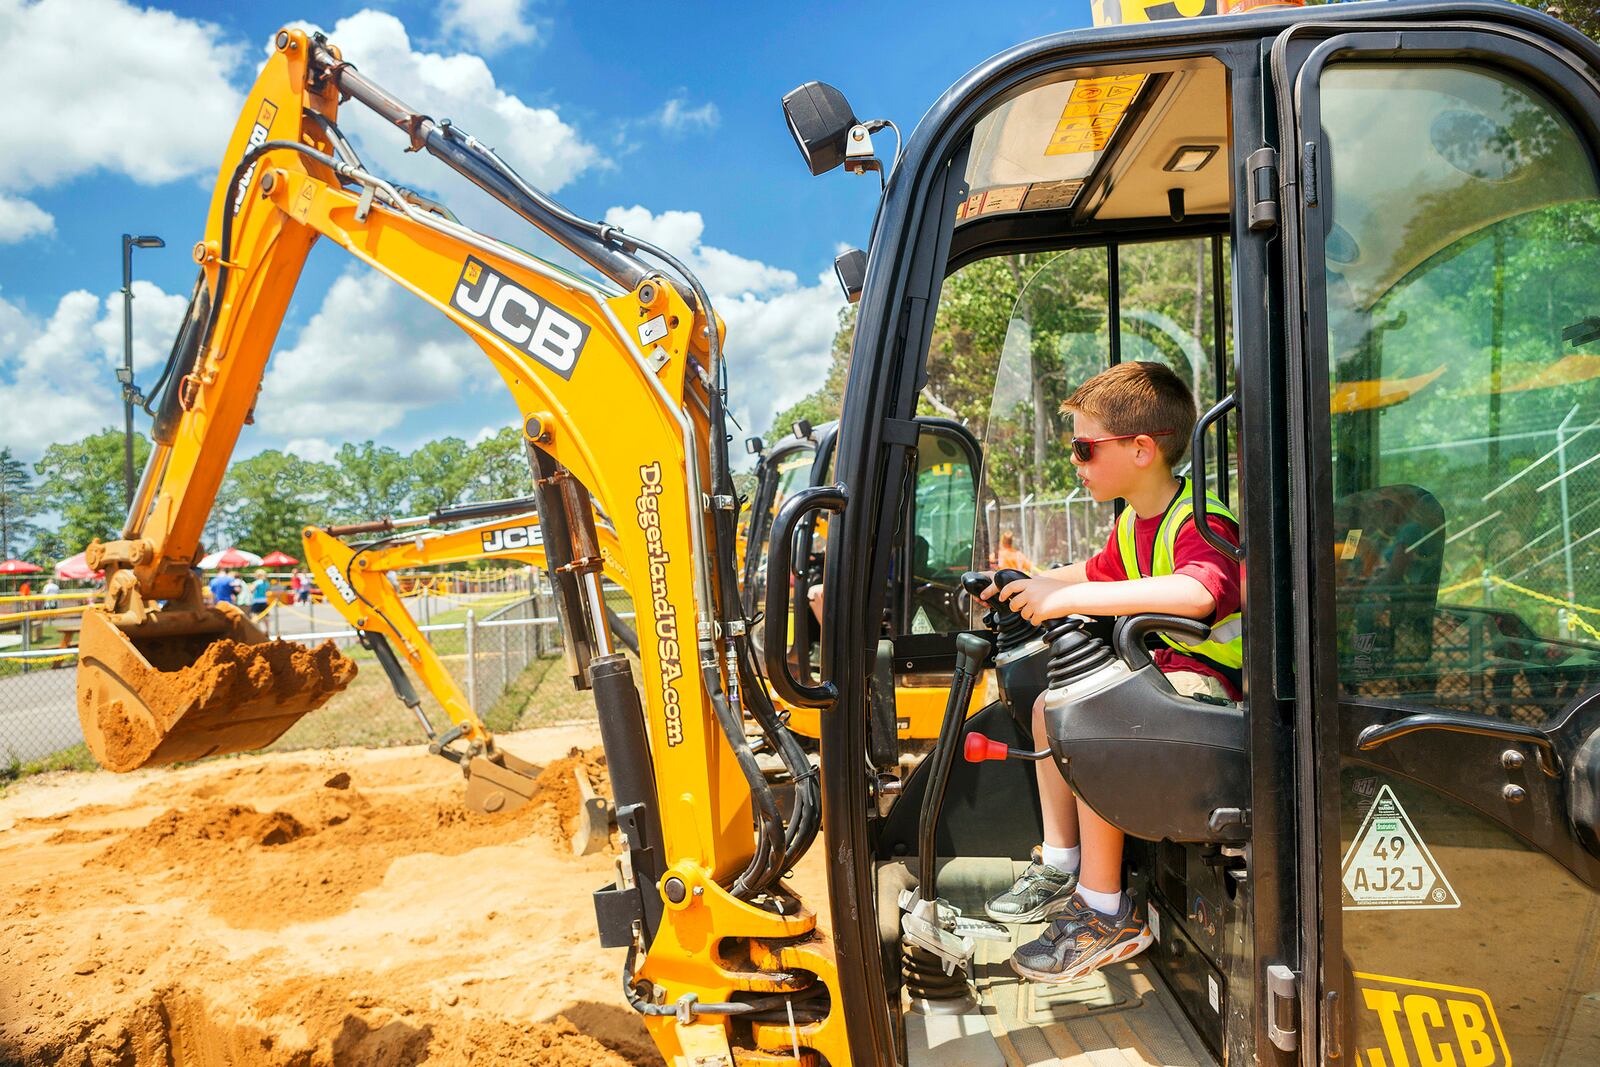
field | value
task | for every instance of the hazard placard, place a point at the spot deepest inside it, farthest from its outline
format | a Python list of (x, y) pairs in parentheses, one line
[(1092, 114), (1389, 866)]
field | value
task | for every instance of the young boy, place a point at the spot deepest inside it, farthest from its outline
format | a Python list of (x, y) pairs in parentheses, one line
[(1131, 426)]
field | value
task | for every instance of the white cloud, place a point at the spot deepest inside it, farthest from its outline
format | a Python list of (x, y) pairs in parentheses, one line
[(488, 25), (547, 151), (676, 116), (105, 85), (21, 219), (58, 376), (780, 333), (371, 355), (312, 449)]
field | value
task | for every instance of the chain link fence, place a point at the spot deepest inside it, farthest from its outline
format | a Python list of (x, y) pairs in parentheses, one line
[(503, 648)]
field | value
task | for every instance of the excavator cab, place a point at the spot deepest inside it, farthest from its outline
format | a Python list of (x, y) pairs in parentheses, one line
[(1360, 237), (935, 546)]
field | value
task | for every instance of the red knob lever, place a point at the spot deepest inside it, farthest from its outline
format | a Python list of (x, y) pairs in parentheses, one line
[(978, 748)]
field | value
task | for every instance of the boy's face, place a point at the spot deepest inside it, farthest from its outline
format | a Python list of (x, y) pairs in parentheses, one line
[(1116, 467)]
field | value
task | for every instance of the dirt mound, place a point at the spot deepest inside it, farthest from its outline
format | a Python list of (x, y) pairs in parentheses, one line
[(556, 798), (282, 911), (310, 856), (328, 1028)]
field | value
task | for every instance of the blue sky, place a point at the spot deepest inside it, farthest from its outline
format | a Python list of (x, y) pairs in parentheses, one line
[(663, 119)]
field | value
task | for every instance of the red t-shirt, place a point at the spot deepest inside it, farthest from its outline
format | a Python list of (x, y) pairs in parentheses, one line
[(1191, 555)]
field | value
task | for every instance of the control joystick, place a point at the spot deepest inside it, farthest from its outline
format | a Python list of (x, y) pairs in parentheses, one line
[(1011, 629)]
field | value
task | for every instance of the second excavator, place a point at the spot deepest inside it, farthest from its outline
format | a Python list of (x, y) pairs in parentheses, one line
[(356, 580)]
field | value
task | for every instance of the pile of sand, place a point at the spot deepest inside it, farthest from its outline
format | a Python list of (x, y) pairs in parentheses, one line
[(306, 911)]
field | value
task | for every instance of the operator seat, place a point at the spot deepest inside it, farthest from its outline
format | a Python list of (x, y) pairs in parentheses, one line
[(1389, 550)]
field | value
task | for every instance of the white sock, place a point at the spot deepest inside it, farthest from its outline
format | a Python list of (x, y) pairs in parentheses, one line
[(1064, 860), (1104, 903)]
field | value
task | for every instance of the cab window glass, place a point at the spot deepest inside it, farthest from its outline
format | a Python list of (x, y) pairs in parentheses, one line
[(1465, 390), (1058, 333), (943, 525)]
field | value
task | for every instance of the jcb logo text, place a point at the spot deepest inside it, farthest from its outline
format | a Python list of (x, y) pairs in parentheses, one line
[(512, 538), (547, 334), (1401, 1023)]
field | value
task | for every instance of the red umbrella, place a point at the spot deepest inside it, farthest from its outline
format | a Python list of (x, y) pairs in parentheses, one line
[(231, 558), (74, 569), (278, 559), (18, 566)]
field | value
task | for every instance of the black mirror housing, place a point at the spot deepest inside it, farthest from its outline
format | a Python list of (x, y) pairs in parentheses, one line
[(851, 270), (819, 119)]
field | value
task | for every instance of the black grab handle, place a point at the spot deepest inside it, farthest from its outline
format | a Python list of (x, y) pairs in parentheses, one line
[(780, 568), (1197, 483), (1128, 636)]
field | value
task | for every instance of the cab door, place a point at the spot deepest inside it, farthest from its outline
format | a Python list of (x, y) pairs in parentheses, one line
[(1441, 205)]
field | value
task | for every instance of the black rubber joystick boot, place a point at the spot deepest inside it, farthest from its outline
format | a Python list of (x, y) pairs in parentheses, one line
[(1011, 629), (1074, 652)]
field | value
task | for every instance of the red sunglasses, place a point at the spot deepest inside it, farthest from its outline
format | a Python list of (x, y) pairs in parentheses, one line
[(1083, 447)]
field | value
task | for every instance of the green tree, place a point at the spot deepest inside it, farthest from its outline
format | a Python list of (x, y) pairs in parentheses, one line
[(17, 504), (443, 470), (266, 500), (49, 548), (367, 481), (499, 467), (82, 482)]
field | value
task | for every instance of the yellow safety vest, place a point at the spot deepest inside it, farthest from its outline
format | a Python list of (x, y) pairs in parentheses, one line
[(1225, 646)]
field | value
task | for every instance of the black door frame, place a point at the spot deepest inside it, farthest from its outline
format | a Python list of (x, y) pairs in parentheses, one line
[(1298, 57)]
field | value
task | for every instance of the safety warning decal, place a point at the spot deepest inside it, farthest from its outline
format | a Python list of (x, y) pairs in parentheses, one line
[(1400, 1022), (1388, 865)]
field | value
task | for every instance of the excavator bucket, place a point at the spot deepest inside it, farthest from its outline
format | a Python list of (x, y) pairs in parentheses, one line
[(159, 693)]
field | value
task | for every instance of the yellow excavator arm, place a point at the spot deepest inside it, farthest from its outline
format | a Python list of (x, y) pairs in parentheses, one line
[(356, 580), (620, 388)]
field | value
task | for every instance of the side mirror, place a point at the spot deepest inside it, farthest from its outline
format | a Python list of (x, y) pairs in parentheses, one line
[(820, 120), (851, 270), (754, 445), (802, 429)]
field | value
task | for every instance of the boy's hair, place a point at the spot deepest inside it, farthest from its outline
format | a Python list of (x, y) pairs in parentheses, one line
[(1139, 397)]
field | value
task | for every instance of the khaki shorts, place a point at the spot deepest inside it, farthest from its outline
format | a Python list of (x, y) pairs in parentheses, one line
[(1193, 683)]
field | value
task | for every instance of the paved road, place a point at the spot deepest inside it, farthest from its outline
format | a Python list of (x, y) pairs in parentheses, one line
[(38, 713), (39, 710)]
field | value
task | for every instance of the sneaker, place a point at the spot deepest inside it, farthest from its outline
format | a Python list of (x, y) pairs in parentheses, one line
[(1041, 892), (1081, 942)]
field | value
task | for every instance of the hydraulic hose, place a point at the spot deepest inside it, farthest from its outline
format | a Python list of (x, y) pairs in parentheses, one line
[(225, 240), (806, 819), (688, 1005), (769, 852), (594, 243)]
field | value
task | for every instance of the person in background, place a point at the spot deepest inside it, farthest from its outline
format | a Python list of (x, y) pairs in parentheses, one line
[(1010, 556), (222, 588), (304, 596), (258, 593), (50, 590)]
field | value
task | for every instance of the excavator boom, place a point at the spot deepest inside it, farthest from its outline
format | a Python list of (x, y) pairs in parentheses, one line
[(712, 934)]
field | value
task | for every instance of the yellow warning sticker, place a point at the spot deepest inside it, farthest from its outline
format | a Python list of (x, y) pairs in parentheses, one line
[(1425, 1023), (1092, 113), (266, 114)]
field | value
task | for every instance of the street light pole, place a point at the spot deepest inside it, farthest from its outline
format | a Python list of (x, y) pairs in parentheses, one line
[(130, 392)]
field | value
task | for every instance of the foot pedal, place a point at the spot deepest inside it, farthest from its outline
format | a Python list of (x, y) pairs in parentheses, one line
[(930, 925)]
